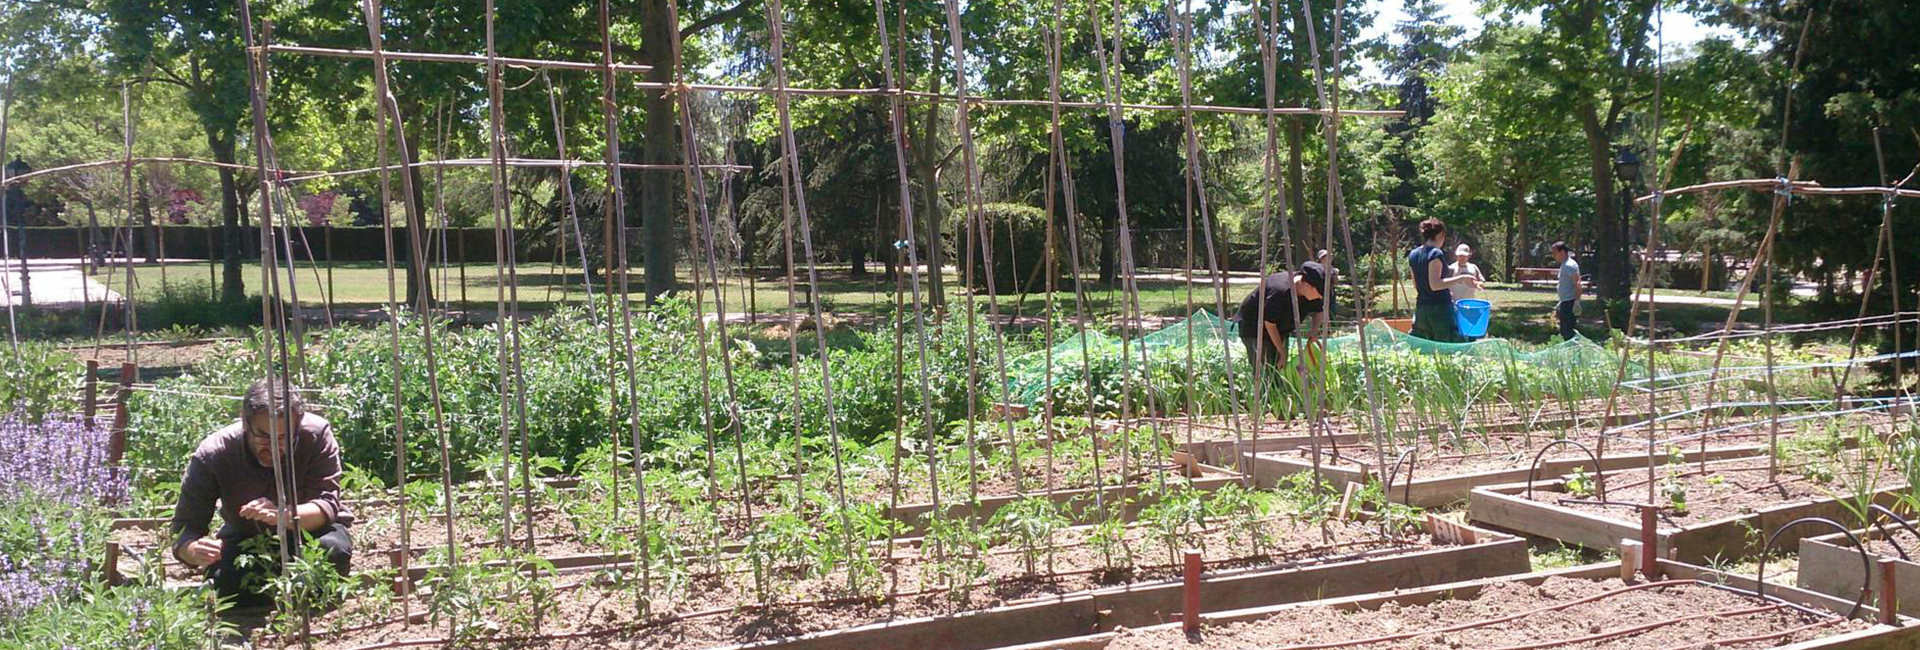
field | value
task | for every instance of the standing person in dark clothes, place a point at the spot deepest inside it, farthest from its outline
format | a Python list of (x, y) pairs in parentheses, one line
[(235, 467), (1433, 307), (1567, 309), (1272, 311)]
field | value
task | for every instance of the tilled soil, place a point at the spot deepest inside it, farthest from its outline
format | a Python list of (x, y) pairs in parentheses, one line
[(1471, 453), (1634, 620), (727, 598), (1726, 489), (1883, 547)]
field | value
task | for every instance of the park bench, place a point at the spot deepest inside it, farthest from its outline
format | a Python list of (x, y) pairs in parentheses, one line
[(1544, 277)]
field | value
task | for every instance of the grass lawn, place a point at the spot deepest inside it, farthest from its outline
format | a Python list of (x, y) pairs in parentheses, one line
[(1519, 313)]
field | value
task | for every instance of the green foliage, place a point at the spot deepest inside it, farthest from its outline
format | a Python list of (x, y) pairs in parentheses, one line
[(307, 585), (1245, 512), (960, 556), (571, 404), (145, 614), (499, 593), (1175, 516), (1306, 499), (1580, 484), (1030, 523), (39, 379), (1395, 518)]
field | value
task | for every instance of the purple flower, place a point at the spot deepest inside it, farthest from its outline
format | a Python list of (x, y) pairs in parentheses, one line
[(54, 485)]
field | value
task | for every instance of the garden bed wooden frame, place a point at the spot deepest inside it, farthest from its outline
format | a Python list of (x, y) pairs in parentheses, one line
[(1203, 477), (1877, 637), (1505, 507), (1143, 604), (1830, 565), (1447, 489)]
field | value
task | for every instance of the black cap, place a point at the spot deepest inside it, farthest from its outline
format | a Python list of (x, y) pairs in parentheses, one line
[(1315, 274)]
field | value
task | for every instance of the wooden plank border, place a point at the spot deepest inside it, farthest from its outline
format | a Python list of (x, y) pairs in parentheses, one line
[(1829, 565), (1504, 507), (1877, 637), (1054, 623), (1448, 489)]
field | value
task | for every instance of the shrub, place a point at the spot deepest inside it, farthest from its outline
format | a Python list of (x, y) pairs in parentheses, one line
[(53, 484), (38, 379)]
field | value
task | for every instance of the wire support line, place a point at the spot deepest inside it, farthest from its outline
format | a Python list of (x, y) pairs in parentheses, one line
[(1895, 318), (1749, 404), (1909, 403)]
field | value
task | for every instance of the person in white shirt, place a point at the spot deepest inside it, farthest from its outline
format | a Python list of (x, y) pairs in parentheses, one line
[(1461, 266)]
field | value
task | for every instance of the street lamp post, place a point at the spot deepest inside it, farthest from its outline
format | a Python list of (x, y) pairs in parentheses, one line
[(1626, 168), (13, 203)]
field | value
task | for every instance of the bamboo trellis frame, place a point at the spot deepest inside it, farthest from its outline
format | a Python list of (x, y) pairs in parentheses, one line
[(693, 172)]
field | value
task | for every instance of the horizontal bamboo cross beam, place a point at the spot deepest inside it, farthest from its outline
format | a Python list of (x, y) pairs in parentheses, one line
[(516, 162), (813, 92), (1805, 188), (298, 175), (435, 57)]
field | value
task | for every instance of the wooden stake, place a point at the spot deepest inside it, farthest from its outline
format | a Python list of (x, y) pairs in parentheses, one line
[(117, 435), (91, 406), (1190, 612), (1889, 595), (110, 570), (1650, 541), (1630, 553)]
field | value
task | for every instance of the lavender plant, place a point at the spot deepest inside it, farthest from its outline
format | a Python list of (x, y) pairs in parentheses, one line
[(54, 484)]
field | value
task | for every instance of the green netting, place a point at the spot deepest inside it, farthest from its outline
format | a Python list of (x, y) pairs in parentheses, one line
[(1158, 365)]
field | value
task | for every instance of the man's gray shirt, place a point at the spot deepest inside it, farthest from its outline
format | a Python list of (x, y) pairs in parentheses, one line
[(1569, 280)]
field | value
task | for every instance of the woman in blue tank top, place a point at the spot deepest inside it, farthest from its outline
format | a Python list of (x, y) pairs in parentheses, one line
[(1433, 307)]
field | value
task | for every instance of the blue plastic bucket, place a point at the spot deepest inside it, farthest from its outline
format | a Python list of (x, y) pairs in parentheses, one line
[(1472, 315)]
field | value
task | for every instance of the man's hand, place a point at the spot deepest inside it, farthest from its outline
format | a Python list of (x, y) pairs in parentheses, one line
[(201, 552), (261, 510)]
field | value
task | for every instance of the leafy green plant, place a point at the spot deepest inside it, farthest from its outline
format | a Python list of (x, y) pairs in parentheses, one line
[(1306, 499), (142, 614), (1676, 495), (1109, 539), (38, 379), (960, 549), (1174, 517), (1860, 484), (1580, 484), (1245, 512), (1395, 518), (500, 592), (1031, 523)]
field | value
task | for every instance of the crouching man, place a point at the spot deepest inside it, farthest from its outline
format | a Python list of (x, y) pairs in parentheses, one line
[(235, 467)]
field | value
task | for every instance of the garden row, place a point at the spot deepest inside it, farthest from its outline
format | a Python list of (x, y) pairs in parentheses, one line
[(760, 529)]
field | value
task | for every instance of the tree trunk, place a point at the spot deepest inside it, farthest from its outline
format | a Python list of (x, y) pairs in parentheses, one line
[(658, 145), (1304, 226), (1509, 263), (419, 271), (1109, 251), (95, 246), (1301, 232), (926, 156), (151, 229), (1521, 222), (1610, 249), (232, 286)]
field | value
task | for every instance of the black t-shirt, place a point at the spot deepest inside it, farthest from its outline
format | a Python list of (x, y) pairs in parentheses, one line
[(1418, 259), (1278, 289)]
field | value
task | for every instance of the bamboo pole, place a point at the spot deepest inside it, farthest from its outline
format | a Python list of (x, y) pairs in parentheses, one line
[(1798, 187), (6, 234), (296, 176), (275, 320)]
